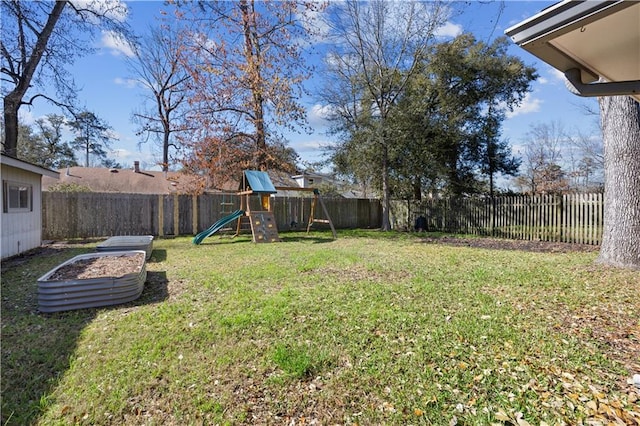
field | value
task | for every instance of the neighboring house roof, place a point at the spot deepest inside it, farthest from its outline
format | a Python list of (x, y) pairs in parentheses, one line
[(353, 193), (312, 175), (282, 179), (343, 189), (100, 179), (23, 165)]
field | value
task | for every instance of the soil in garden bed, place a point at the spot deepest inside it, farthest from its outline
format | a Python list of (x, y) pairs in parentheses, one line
[(103, 266)]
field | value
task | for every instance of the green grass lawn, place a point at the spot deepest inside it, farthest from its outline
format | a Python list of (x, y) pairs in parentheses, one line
[(372, 328)]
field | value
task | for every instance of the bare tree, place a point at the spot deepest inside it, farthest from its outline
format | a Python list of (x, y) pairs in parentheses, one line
[(587, 161), (542, 159), (38, 40), (378, 46), (157, 66), (246, 70)]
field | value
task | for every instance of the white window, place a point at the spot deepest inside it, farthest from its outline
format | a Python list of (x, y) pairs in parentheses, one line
[(17, 197)]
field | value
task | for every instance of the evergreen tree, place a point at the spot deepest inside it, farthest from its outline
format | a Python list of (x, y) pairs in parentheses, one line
[(45, 146), (93, 136)]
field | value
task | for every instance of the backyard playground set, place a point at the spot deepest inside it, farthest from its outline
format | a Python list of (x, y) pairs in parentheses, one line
[(262, 222)]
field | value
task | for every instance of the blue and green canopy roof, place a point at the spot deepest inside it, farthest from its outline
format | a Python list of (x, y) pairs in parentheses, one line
[(257, 181)]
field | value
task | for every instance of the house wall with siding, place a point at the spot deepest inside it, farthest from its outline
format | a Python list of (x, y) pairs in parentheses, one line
[(21, 231)]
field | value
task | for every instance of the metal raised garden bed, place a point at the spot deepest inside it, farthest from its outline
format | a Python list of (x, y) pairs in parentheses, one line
[(56, 295), (128, 242)]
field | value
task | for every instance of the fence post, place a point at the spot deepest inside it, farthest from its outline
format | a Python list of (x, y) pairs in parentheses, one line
[(160, 215), (194, 214), (496, 221), (176, 215)]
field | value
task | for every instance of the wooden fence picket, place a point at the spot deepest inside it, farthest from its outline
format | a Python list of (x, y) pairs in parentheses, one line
[(89, 214), (570, 218)]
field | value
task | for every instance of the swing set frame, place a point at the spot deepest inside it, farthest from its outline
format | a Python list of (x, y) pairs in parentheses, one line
[(263, 227), (316, 199)]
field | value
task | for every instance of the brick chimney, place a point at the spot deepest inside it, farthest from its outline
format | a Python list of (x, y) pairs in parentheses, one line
[(136, 166)]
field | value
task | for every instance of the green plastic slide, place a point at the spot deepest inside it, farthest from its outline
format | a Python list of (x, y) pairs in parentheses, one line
[(217, 226)]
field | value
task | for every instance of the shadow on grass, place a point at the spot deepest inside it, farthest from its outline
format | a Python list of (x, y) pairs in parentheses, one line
[(314, 239), (225, 239), (155, 290), (158, 255), (377, 234), (38, 348)]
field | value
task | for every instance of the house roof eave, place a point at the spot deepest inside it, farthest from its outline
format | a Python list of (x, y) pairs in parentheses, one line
[(24, 165), (588, 41)]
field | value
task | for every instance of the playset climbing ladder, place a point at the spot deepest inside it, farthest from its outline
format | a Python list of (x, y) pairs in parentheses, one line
[(226, 208)]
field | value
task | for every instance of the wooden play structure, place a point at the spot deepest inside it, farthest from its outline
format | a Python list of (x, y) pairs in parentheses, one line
[(262, 222)]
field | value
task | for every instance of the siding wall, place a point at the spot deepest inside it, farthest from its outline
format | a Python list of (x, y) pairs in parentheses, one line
[(21, 231)]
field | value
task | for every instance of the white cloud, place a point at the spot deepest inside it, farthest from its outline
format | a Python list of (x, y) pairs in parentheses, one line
[(543, 80), (556, 74), (309, 146), (315, 23), (345, 61), (122, 154), (318, 114), (528, 105), (310, 150), (518, 148), (126, 157), (116, 44), (449, 29), (26, 117), (112, 9), (129, 83)]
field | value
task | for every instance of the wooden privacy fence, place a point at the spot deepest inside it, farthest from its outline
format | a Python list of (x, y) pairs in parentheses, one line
[(572, 218), (90, 214)]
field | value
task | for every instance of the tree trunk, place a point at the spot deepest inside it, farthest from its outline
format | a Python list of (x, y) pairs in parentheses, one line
[(620, 117), (11, 107), (165, 145), (491, 173), (253, 57), (13, 99), (417, 189), (386, 191)]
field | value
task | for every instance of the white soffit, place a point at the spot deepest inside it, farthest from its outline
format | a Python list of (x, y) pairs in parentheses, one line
[(601, 38)]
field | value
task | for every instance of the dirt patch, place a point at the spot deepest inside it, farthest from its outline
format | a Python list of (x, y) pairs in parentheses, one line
[(503, 244), (103, 266)]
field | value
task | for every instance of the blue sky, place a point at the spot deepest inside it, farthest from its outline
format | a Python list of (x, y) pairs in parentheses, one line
[(106, 87)]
